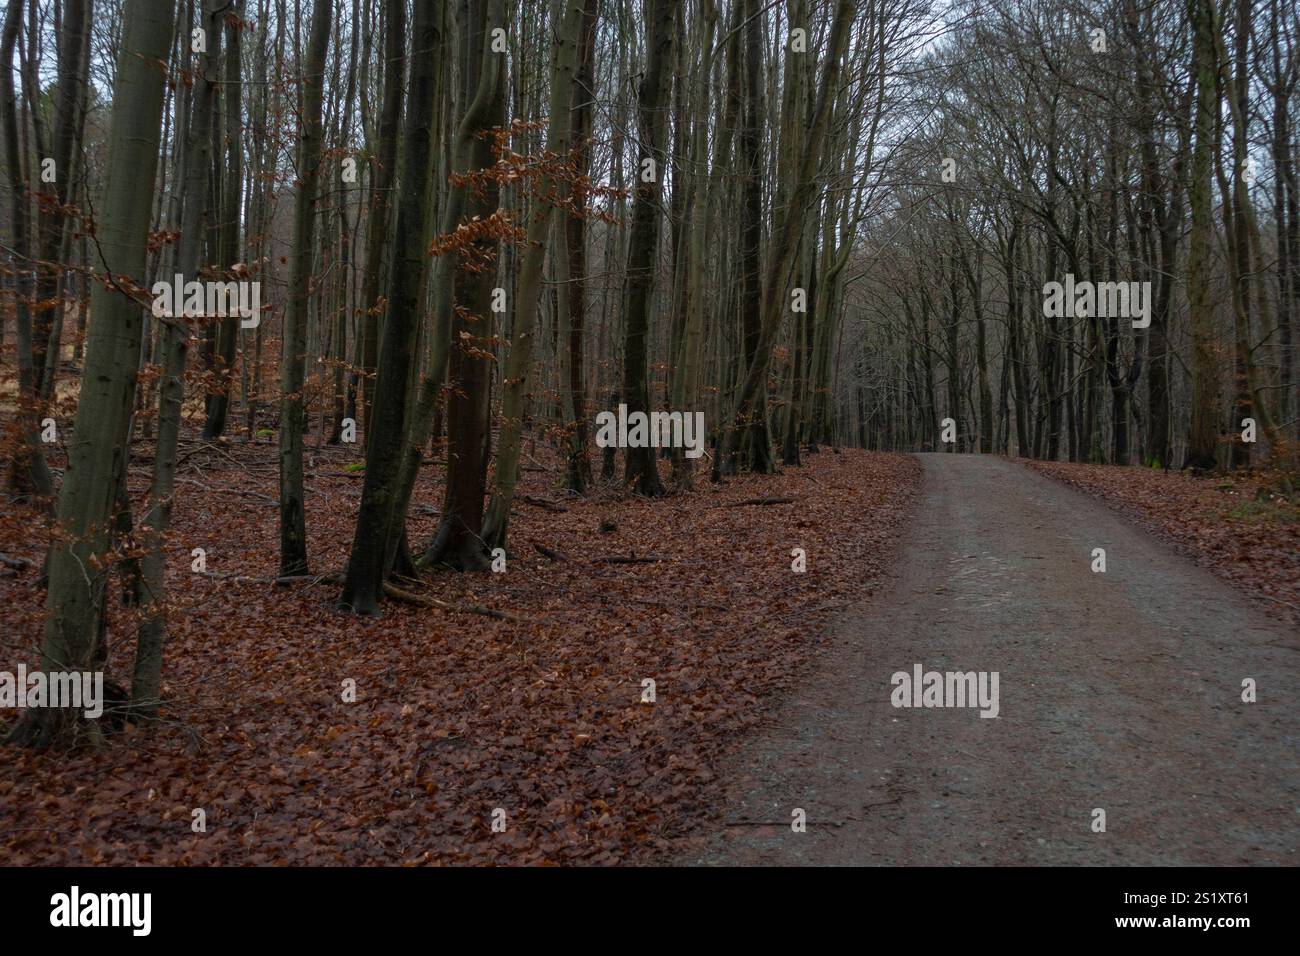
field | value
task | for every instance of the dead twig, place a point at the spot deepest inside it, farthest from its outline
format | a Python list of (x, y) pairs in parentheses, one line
[(409, 597), (632, 558)]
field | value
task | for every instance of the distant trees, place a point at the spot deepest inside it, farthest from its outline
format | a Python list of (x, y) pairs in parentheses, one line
[(1090, 138), (29, 471), (196, 208), (568, 19)]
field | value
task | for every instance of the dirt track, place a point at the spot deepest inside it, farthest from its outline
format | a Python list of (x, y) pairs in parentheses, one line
[(1118, 690)]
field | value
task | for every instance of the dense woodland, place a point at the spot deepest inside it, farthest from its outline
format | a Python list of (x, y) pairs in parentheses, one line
[(474, 225)]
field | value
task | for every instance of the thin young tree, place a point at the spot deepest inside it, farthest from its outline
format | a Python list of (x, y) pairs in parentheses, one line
[(567, 18), (195, 202), (293, 359), (643, 238)]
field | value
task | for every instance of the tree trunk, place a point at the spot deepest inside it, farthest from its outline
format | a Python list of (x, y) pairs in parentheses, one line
[(147, 681), (1203, 440), (367, 567), (78, 563), (578, 470), (566, 31), (218, 404), (382, 174), (293, 356), (643, 240), (456, 543)]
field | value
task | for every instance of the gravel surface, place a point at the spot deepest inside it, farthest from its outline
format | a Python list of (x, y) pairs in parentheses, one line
[(1119, 690)]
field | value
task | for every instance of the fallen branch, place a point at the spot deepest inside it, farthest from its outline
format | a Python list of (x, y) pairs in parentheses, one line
[(542, 503), (632, 558), (234, 578), (409, 597), (760, 501), (331, 577), (553, 555), (245, 492), (17, 563)]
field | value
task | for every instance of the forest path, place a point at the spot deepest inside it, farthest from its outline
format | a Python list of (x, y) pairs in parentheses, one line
[(1120, 690)]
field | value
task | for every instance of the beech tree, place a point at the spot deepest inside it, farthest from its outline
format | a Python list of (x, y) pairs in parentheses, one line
[(80, 559), (643, 234), (293, 522), (370, 561)]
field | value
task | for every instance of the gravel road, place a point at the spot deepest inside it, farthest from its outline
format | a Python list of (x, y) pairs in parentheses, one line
[(1119, 691)]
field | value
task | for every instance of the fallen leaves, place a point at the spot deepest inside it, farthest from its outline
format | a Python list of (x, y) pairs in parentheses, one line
[(456, 714)]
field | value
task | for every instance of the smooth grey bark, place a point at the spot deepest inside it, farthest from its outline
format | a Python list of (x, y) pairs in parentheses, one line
[(293, 522), (79, 559), (367, 567)]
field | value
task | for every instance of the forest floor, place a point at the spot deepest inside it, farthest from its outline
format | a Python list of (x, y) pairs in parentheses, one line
[(456, 714), (1119, 691)]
